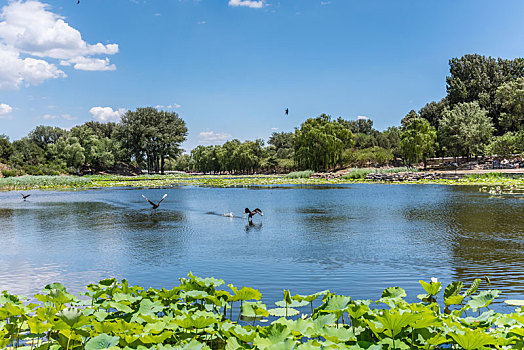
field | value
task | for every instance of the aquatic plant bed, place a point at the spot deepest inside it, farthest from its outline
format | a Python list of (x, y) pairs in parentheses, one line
[(203, 313), (96, 181)]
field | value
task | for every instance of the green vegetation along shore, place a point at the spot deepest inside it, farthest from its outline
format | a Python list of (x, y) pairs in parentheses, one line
[(99, 181), (202, 313)]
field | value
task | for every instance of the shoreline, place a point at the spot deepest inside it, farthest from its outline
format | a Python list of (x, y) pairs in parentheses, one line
[(501, 177)]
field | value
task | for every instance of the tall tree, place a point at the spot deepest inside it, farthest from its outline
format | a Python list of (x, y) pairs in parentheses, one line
[(6, 149), (510, 97), (152, 135), (319, 143), (418, 141), (465, 130), (477, 78)]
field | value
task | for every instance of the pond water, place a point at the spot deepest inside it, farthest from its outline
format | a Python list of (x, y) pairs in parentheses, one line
[(353, 239)]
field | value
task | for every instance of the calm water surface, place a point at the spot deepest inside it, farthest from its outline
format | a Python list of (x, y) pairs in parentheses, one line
[(352, 239)]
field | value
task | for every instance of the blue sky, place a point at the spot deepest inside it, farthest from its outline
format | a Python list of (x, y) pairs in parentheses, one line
[(231, 67)]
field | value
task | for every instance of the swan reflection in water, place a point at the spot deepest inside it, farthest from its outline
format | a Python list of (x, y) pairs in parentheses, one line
[(253, 227)]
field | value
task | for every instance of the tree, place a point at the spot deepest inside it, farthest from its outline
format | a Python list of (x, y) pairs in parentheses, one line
[(6, 149), (465, 129), (319, 143), (45, 135), (510, 97), (418, 141), (477, 78), (505, 145), (432, 112), (152, 136), (408, 118)]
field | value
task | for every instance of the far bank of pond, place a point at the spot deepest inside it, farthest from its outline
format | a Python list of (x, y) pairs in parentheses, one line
[(507, 180)]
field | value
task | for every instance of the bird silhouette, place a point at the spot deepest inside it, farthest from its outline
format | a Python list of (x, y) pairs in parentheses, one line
[(155, 205), (252, 213), (78, 2), (24, 196), (287, 111)]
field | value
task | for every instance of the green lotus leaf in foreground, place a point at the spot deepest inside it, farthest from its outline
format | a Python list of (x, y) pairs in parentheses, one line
[(198, 315), (101, 342)]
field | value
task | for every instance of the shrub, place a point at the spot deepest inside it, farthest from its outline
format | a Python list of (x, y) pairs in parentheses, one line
[(9, 173), (300, 174)]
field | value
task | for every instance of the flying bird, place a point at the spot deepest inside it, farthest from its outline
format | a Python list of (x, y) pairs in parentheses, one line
[(155, 205), (252, 213), (287, 111), (24, 196)]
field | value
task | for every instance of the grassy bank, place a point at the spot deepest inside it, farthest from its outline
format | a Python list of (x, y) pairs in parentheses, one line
[(98, 181), (202, 313)]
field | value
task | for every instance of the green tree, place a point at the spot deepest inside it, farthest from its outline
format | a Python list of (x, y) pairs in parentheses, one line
[(408, 118), (510, 97), (433, 112), (45, 135), (319, 143), (150, 135), (6, 149), (418, 141), (465, 130), (477, 78), (505, 145)]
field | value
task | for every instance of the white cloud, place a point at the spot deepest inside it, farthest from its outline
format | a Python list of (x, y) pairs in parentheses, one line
[(15, 71), (159, 106), (274, 128), (247, 3), (323, 3), (213, 137), (174, 105), (49, 117), (5, 109), (201, 22), (92, 64), (106, 114), (30, 28)]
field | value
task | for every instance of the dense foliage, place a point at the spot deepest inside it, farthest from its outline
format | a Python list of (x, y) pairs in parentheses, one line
[(201, 313)]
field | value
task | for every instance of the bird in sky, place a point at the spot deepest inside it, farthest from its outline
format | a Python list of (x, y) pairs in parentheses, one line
[(155, 205), (287, 111), (252, 213), (24, 196)]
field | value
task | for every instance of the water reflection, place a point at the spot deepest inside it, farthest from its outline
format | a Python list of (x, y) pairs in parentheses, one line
[(252, 227)]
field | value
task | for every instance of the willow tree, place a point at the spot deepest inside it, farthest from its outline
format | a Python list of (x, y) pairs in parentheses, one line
[(320, 142), (418, 141), (152, 135)]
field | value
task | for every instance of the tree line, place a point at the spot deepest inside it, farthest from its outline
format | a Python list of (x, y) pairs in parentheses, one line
[(481, 114)]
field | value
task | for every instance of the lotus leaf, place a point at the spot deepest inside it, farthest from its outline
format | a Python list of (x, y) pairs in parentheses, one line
[(453, 300), (309, 298), (432, 288), (56, 285), (394, 322), (74, 318), (147, 307), (293, 303), (394, 292), (283, 312), (102, 341), (515, 302), (471, 339), (474, 287), (273, 334), (338, 334), (453, 289), (483, 299), (37, 326), (245, 293)]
